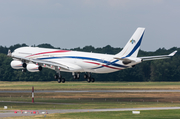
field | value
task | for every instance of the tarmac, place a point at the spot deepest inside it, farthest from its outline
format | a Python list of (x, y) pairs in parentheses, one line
[(44, 112)]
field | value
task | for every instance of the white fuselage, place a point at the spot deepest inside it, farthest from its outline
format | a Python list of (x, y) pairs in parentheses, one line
[(78, 61), (33, 59)]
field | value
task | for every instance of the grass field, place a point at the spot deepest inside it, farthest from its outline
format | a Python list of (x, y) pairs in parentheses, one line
[(45, 103), (87, 86), (93, 100)]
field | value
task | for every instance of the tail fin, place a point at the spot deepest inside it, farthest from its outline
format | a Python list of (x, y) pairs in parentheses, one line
[(132, 47)]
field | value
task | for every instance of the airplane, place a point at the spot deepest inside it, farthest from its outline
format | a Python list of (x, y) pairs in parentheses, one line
[(34, 59)]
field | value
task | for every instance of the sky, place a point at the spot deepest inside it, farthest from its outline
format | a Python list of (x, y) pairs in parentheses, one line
[(78, 23)]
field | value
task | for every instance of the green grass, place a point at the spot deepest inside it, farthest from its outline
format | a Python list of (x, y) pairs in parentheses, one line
[(79, 104), (93, 100), (152, 114), (87, 86), (160, 114)]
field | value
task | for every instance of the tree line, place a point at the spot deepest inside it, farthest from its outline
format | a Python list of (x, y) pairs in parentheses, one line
[(158, 70)]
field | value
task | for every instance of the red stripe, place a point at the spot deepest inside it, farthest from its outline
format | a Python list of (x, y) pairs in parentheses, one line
[(58, 51), (111, 67), (92, 62)]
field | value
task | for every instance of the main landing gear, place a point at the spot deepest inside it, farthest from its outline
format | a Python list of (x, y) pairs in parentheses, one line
[(89, 78), (59, 77), (86, 76), (75, 76)]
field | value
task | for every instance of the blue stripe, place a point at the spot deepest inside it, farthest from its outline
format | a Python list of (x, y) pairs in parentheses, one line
[(98, 67), (87, 58), (111, 63), (136, 47)]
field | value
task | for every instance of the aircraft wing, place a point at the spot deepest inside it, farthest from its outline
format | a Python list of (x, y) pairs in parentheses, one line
[(158, 57), (41, 62)]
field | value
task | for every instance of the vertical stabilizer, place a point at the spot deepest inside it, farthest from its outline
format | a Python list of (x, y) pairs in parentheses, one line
[(132, 47)]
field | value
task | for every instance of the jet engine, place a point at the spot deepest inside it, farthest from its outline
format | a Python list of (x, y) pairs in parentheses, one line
[(33, 67), (16, 64)]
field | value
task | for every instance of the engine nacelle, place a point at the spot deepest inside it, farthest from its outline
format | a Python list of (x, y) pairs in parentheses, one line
[(16, 64), (33, 67)]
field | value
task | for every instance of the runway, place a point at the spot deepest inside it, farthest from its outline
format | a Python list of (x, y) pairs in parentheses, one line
[(12, 114), (88, 91)]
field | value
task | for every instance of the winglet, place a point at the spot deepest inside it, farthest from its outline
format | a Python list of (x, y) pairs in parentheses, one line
[(172, 54)]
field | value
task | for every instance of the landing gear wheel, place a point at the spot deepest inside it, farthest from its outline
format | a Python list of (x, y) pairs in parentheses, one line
[(78, 75), (75, 76), (56, 76), (85, 76), (59, 80), (92, 79), (63, 80), (89, 80)]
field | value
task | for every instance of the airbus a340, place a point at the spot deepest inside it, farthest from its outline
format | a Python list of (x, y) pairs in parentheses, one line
[(34, 59)]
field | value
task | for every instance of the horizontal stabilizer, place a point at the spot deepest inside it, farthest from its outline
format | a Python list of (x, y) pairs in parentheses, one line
[(158, 57)]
